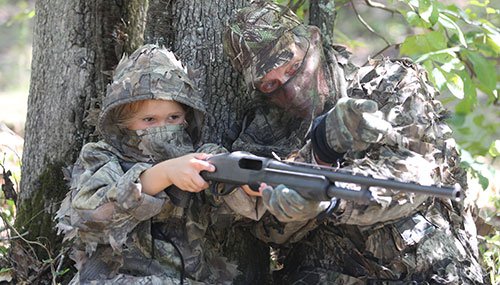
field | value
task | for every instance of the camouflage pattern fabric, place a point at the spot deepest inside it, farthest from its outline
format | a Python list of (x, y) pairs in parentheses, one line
[(289, 206), (261, 32), (150, 72), (250, 42), (399, 239), (354, 124), (123, 236), (113, 224), (267, 130), (402, 238)]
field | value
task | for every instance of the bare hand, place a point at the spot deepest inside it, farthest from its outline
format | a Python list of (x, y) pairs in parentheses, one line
[(184, 171), (250, 192)]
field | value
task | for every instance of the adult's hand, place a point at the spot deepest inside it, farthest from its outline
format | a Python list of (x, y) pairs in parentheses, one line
[(353, 124), (287, 205)]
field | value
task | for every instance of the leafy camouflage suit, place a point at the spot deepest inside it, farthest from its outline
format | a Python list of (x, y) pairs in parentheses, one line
[(123, 236), (399, 238)]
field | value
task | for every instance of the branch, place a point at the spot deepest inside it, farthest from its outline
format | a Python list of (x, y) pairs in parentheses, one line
[(44, 267), (379, 52), (368, 26), (381, 6), (296, 6)]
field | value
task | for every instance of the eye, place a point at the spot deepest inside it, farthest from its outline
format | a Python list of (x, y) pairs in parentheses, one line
[(293, 68), (148, 119), (175, 119), (270, 86)]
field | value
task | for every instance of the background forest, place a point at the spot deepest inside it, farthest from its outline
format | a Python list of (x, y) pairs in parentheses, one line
[(458, 42)]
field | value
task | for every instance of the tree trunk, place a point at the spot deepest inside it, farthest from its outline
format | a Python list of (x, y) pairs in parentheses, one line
[(194, 33), (322, 15), (75, 45)]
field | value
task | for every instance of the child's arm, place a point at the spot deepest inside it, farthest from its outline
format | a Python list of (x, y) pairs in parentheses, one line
[(183, 172)]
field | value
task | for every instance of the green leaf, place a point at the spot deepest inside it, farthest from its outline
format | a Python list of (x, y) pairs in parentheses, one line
[(469, 86), (490, 10), (62, 272), (428, 11), (449, 24), (414, 19), (455, 84), (483, 181), (484, 70), (441, 56), (439, 79), (490, 45), (424, 43), (479, 4), (478, 120), (494, 148), (453, 64), (467, 105)]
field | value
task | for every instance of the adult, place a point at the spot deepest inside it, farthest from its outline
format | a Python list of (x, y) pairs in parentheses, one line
[(381, 120)]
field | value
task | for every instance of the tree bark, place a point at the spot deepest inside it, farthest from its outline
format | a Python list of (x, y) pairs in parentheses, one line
[(75, 46), (322, 15)]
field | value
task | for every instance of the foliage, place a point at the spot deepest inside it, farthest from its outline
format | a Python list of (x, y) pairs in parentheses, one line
[(460, 48), (15, 47), (7, 215)]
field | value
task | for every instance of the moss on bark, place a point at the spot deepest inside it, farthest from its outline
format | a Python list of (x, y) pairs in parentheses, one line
[(35, 219)]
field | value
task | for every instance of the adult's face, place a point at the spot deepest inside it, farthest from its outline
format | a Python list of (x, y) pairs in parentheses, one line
[(298, 86)]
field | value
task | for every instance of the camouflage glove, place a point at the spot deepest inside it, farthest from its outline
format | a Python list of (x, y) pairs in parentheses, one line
[(287, 205), (353, 124)]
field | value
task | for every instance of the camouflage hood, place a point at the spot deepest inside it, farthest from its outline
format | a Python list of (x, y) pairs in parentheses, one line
[(259, 37), (151, 72)]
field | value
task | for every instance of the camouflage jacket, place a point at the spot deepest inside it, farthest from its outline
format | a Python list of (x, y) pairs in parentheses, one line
[(395, 238), (400, 238), (123, 236)]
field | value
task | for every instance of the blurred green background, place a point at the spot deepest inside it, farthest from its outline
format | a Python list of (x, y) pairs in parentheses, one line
[(15, 57)]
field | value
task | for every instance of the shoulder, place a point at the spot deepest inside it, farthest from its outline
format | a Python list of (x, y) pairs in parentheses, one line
[(100, 146), (97, 153), (212, 148)]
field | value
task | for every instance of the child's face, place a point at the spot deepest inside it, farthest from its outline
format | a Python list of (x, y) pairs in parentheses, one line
[(157, 113)]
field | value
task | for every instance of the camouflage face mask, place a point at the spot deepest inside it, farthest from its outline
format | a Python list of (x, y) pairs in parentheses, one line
[(161, 143), (302, 93)]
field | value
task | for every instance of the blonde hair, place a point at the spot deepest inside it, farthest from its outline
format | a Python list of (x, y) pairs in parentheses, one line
[(121, 115)]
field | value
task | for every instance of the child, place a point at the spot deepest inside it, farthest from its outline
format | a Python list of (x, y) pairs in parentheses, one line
[(126, 228)]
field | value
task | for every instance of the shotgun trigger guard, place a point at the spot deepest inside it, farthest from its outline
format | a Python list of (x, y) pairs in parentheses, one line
[(221, 189)]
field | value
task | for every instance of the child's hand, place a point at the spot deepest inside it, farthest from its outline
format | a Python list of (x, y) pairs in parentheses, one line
[(184, 171), (250, 192)]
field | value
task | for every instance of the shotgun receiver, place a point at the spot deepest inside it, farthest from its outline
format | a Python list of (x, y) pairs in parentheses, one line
[(310, 181)]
